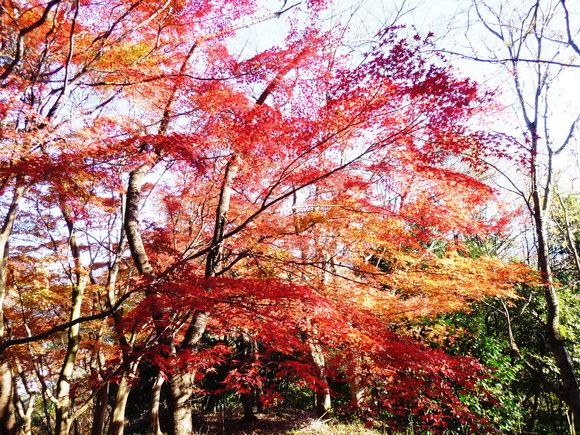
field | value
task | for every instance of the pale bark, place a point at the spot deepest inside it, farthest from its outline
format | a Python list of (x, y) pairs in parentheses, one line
[(131, 222), (7, 227), (181, 382), (213, 257), (64, 417), (155, 425), (26, 416), (356, 391), (117, 425), (102, 398), (567, 230), (181, 411), (131, 227), (7, 408), (322, 399), (118, 414), (141, 259)]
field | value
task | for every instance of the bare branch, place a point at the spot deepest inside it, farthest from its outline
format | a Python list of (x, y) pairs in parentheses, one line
[(505, 60), (571, 41)]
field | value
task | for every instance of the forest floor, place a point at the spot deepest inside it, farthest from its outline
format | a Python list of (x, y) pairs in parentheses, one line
[(279, 421)]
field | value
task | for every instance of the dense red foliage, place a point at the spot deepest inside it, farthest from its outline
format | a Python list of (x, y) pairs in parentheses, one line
[(352, 190)]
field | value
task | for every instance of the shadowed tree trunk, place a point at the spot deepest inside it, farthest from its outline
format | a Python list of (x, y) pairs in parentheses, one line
[(7, 409), (182, 382), (117, 425), (100, 412)]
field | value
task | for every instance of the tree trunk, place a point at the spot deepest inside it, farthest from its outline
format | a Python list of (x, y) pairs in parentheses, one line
[(182, 382), (64, 403), (322, 400), (26, 416), (534, 110), (221, 218), (248, 406), (5, 233), (180, 404), (322, 403), (131, 219), (118, 414), (571, 389), (155, 426), (100, 413), (356, 392), (249, 351), (7, 408)]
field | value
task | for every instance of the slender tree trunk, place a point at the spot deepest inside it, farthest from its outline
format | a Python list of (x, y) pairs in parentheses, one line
[(131, 221), (139, 255), (118, 414), (571, 390), (5, 233), (26, 415), (257, 390), (100, 413), (117, 425), (138, 250), (155, 427), (64, 403), (7, 409), (221, 218), (322, 400), (249, 399), (567, 230), (182, 382), (356, 391)]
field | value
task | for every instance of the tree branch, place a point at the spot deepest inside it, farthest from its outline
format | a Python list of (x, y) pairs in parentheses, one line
[(509, 59), (64, 326), (22, 34)]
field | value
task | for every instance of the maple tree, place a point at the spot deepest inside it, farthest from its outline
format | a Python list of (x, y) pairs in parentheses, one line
[(159, 187)]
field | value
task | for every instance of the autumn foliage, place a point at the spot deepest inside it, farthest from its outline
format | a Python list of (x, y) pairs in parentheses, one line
[(176, 197)]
